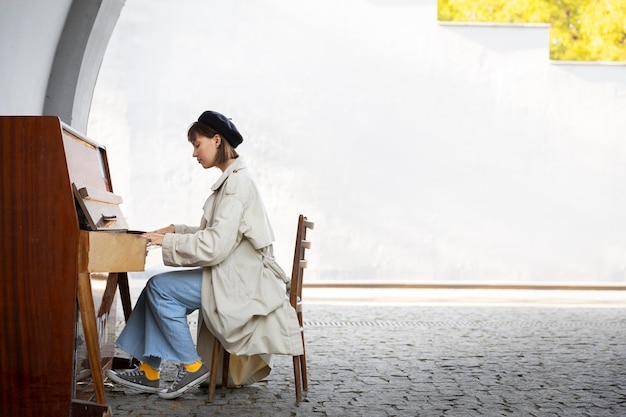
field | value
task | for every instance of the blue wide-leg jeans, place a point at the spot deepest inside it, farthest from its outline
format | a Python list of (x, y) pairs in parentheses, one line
[(157, 328)]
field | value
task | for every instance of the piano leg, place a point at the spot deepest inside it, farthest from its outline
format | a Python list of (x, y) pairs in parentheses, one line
[(122, 284), (88, 317), (121, 278)]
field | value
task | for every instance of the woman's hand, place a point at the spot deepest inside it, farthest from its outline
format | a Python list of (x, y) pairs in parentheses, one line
[(166, 229), (156, 237)]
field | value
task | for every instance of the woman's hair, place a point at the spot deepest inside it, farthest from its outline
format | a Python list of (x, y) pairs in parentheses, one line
[(224, 152)]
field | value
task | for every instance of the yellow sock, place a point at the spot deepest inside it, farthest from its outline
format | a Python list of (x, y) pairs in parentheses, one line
[(193, 367), (150, 372)]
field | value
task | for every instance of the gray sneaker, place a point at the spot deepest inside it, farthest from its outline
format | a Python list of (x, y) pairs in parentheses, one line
[(184, 382), (135, 379)]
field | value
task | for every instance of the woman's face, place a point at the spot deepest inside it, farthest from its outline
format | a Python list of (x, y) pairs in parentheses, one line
[(205, 149)]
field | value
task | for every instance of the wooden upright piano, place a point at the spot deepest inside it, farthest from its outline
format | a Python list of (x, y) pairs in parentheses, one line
[(65, 250)]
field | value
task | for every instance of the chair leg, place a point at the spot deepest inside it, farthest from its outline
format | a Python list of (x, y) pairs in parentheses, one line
[(215, 359), (297, 379), (305, 379), (225, 365)]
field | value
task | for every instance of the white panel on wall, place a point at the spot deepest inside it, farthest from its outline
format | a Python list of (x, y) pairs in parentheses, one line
[(423, 152)]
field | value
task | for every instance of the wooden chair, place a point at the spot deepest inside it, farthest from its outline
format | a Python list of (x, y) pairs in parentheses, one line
[(295, 298)]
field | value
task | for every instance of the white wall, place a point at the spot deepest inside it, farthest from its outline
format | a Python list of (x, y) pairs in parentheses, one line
[(423, 152), (29, 33)]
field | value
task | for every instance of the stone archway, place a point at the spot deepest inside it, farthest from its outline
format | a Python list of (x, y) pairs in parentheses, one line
[(86, 33)]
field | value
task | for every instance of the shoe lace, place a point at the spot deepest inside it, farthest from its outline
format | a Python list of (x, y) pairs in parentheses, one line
[(182, 371), (133, 372)]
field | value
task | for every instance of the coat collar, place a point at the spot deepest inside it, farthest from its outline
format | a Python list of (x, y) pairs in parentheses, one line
[(237, 164)]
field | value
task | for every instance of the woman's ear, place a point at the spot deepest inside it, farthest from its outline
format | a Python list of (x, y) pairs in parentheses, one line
[(218, 140)]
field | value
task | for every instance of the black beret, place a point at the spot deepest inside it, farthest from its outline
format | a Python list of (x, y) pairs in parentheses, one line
[(223, 126)]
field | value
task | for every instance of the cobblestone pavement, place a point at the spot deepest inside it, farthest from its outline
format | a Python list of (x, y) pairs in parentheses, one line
[(421, 359)]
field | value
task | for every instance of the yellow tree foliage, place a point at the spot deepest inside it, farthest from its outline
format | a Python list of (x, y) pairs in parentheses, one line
[(580, 30)]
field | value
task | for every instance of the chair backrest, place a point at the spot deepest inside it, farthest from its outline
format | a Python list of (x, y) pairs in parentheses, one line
[(299, 260)]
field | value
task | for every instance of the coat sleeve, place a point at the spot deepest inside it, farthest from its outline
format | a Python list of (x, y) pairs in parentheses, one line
[(208, 246), (183, 228)]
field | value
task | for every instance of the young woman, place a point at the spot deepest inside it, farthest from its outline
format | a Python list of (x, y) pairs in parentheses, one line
[(237, 285)]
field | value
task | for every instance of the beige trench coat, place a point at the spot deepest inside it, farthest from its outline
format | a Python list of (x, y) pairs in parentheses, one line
[(244, 300)]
